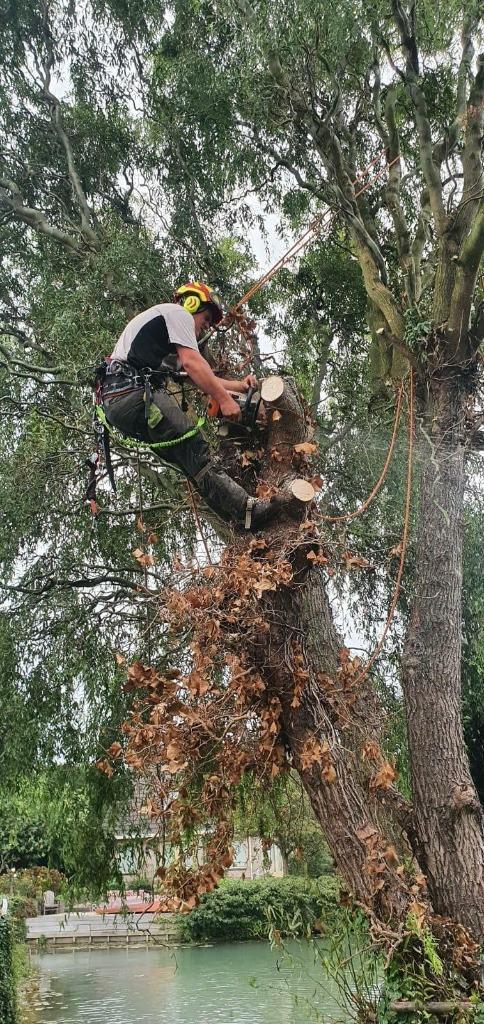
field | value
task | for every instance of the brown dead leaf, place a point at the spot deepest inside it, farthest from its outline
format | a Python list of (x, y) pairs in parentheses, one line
[(391, 856), (276, 415), (262, 585), (265, 490), (115, 750), (356, 561), (119, 658), (142, 557), (383, 778), (316, 559), (247, 458), (419, 912), (305, 448), (371, 751), (366, 833), (317, 482)]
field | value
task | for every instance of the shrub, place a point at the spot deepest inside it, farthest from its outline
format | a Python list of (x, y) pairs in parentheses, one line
[(7, 986), (140, 882), (247, 910), (32, 883)]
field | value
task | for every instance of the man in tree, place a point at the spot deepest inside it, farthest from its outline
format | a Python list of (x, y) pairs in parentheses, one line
[(160, 339)]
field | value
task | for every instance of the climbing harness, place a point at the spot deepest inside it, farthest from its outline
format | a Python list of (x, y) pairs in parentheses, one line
[(131, 442), (124, 381)]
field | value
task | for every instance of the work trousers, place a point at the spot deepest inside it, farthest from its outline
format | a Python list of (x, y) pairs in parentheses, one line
[(192, 456)]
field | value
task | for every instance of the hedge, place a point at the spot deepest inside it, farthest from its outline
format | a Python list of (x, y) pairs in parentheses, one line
[(8, 1013), (248, 909)]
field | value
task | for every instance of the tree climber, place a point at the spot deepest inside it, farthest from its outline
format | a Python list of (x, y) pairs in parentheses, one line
[(155, 343)]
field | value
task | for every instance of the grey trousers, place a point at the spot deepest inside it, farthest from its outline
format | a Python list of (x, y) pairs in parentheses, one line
[(192, 457)]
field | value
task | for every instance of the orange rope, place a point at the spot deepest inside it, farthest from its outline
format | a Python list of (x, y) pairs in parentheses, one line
[(307, 235), (362, 508), (404, 540)]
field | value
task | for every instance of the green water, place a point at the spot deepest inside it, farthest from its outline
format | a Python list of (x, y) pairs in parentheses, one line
[(236, 983)]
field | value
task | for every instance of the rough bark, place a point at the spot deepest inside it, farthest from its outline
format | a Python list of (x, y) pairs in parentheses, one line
[(447, 812), (357, 828)]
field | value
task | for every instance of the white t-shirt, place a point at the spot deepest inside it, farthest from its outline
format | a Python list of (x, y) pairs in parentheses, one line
[(151, 336)]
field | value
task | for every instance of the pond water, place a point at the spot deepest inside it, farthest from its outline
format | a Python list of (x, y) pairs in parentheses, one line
[(236, 983)]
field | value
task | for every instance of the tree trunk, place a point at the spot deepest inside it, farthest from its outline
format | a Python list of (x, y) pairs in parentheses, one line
[(447, 811), (299, 663)]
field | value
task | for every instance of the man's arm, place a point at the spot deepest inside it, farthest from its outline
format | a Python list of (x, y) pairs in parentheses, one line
[(203, 376), (240, 386)]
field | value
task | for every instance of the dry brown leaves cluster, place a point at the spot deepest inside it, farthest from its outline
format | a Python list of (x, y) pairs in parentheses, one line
[(194, 731)]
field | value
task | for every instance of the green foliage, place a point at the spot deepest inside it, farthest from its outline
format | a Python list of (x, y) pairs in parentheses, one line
[(239, 910), (170, 148), (8, 1014), (415, 972), (282, 813), (24, 891)]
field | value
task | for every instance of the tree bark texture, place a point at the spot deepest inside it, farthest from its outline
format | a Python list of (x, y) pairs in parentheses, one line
[(448, 815), (299, 662)]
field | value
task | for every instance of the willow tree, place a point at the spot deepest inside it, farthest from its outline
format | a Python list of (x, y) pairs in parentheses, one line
[(297, 105), (299, 102)]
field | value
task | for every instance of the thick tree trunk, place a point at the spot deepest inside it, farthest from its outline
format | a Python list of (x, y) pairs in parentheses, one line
[(324, 734), (447, 811)]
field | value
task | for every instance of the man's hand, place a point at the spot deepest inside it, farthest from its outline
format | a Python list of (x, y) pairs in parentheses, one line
[(229, 409), (240, 386), (250, 381)]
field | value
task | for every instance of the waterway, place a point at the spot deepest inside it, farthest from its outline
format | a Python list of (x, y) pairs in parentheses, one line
[(233, 983)]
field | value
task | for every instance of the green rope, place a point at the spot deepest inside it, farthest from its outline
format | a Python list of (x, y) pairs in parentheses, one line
[(132, 443)]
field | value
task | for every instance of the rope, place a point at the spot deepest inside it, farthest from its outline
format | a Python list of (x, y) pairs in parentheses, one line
[(362, 508), (132, 443), (404, 539), (307, 235)]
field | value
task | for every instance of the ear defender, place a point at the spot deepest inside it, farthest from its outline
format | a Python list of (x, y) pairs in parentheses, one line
[(192, 304)]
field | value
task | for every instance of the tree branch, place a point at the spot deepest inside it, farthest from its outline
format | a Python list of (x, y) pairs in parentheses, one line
[(11, 199), (87, 231), (402, 232), (460, 340), (430, 169), (445, 147)]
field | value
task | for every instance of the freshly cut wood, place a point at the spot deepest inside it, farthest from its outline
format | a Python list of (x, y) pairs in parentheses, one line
[(272, 388), (302, 490)]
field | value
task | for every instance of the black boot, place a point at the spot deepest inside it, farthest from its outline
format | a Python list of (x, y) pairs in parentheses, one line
[(230, 501), (259, 512), (222, 494)]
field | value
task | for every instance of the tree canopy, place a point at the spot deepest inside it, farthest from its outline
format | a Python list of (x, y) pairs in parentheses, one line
[(143, 148)]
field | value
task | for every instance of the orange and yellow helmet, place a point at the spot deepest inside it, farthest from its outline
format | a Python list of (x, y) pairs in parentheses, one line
[(194, 295)]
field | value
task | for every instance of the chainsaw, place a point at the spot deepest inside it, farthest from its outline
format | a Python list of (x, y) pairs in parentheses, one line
[(249, 405)]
